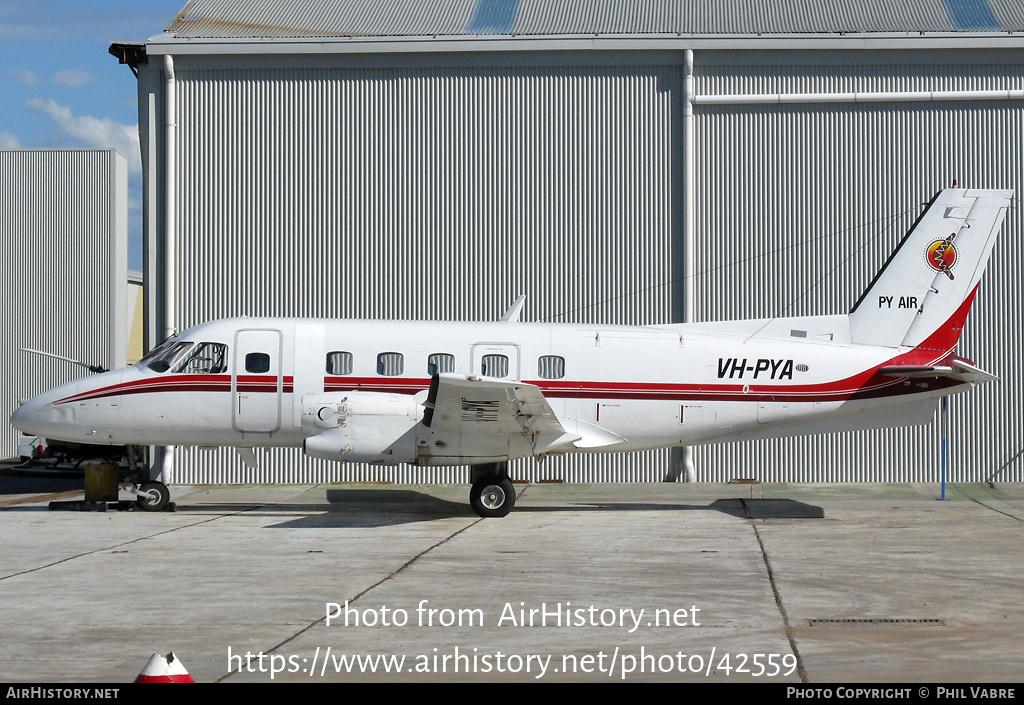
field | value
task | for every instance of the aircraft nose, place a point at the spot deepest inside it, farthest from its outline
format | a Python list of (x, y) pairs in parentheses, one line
[(26, 417), (79, 411), (38, 416)]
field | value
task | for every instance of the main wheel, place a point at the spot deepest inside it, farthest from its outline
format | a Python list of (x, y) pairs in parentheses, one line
[(492, 496), (158, 497)]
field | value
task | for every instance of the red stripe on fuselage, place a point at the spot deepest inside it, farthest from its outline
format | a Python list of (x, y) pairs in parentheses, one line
[(868, 384), (183, 383)]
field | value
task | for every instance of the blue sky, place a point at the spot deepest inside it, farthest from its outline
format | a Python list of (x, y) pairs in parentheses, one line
[(59, 88)]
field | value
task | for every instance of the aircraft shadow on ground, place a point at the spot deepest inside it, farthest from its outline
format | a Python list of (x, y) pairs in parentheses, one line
[(370, 508), (14, 481), (355, 508), (739, 508)]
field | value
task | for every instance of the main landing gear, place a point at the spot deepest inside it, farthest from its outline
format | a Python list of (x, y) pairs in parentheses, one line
[(492, 494)]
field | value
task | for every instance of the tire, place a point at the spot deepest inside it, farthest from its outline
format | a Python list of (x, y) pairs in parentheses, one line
[(492, 496), (159, 490)]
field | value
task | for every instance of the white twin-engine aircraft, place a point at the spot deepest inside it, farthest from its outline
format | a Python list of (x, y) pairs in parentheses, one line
[(481, 394)]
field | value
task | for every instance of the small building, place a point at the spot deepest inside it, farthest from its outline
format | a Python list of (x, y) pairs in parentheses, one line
[(63, 269)]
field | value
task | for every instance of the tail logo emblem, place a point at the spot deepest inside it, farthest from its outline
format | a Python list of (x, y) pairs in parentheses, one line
[(941, 255)]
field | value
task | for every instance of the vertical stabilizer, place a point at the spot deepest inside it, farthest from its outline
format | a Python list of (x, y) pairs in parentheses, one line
[(923, 293)]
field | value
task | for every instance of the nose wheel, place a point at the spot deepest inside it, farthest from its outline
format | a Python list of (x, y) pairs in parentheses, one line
[(153, 496), (492, 496)]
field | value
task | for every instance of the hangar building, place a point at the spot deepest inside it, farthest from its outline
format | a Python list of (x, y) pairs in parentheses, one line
[(63, 270), (634, 163)]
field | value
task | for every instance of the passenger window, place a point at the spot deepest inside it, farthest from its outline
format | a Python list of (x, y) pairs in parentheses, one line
[(494, 366), (551, 367), (390, 364), (257, 363), (339, 363), (440, 362), (206, 359)]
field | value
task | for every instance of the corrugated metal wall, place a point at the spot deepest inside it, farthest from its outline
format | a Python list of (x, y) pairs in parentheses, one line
[(63, 269), (445, 192), (810, 199), (425, 194)]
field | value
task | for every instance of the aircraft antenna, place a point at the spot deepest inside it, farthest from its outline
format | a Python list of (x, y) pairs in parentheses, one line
[(759, 255), (892, 222), (91, 368)]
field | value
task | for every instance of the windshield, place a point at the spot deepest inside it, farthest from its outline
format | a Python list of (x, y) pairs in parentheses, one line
[(187, 357), (163, 357)]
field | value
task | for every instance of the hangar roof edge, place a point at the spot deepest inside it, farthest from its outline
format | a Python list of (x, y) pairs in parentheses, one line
[(492, 19), (169, 44)]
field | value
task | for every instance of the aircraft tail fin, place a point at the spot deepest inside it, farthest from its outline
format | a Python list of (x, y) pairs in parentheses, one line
[(922, 295)]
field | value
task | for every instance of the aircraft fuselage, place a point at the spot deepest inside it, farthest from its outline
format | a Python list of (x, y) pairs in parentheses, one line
[(650, 386)]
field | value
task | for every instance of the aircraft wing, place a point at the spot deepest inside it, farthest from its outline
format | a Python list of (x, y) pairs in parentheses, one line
[(470, 405), (956, 369)]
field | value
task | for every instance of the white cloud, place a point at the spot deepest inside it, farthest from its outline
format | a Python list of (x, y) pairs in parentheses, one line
[(75, 78), (9, 141), (93, 131), (23, 75)]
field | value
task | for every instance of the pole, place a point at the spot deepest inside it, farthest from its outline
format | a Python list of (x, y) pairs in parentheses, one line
[(944, 425), (689, 223)]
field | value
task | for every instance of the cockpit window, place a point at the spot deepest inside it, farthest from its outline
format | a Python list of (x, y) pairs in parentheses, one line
[(164, 356), (205, 359)]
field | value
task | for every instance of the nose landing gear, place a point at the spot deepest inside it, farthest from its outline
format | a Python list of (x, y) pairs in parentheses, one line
[(153, 496)]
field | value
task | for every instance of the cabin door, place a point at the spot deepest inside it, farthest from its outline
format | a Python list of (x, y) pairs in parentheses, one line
[(256, 381)]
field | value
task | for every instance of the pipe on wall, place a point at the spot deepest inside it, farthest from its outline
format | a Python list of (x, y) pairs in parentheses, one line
[(165, 456)]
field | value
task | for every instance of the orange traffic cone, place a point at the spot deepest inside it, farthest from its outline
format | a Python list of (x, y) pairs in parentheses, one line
[(164, 669)]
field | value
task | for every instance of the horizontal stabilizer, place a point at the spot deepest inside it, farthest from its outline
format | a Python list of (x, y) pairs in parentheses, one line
[(956, 369)]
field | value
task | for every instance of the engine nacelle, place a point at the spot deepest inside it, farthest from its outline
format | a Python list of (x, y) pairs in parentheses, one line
[(362, 427)]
